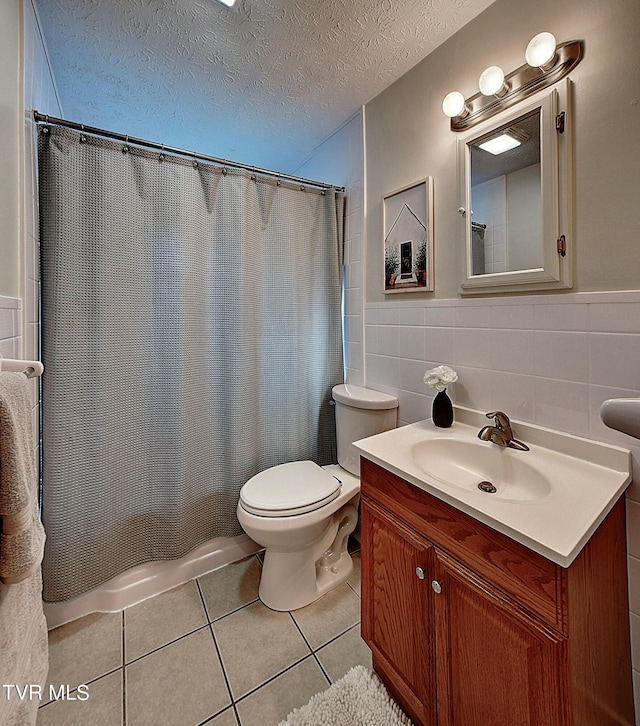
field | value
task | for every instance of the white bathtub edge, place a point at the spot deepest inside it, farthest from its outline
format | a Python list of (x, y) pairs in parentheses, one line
[(152, 578)]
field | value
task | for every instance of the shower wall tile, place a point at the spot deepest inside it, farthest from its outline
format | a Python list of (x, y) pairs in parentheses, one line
[(353, 328), (10, 326)]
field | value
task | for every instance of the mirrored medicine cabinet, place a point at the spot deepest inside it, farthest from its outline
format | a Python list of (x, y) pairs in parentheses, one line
[(515, 194)]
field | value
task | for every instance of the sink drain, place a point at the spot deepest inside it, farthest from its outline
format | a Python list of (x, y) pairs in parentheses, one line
[(487, 486)]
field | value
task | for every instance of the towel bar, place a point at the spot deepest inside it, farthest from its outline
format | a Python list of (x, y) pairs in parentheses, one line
[(31, 368)]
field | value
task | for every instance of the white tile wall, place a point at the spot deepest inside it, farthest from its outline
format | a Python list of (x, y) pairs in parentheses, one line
[(550, 360), (10, 331)]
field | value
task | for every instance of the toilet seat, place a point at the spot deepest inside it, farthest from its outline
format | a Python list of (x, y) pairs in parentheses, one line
[(289, 489)]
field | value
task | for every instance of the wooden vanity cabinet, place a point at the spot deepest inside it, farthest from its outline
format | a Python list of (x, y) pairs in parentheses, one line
[(468, 627)]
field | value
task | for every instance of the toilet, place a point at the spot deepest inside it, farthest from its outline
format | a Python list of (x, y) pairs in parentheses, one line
[(303, 514)]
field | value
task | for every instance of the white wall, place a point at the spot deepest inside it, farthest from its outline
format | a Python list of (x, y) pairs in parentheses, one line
[(408, 137), (10, 147), (25, 68), (25, 84)]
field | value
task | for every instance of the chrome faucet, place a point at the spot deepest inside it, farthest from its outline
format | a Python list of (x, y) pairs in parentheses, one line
[(500, 433)]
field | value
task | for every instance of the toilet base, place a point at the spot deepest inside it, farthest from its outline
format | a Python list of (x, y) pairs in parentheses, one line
[(291, 580), (301, 585)]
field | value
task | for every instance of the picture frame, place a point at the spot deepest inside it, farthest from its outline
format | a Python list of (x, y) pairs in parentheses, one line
[(408, 238)]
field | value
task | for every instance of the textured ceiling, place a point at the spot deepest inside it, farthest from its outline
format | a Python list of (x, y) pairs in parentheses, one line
[(263, 83)]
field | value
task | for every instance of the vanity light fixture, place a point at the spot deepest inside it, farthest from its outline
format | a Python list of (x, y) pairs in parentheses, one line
[(492, 83), (541, 51), (547, 62), (454, 105), (228, 3)]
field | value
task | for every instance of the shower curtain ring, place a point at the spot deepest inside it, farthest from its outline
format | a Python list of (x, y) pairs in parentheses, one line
[(125, 148), (161, 155)]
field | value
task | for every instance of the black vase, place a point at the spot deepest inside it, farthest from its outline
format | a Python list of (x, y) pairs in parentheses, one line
[(442, 411)]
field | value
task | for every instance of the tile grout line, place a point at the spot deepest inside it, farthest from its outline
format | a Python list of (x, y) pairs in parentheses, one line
[(219, 654), (275, 676)]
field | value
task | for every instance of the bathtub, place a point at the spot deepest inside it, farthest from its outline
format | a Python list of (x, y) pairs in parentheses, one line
[(151, 578)]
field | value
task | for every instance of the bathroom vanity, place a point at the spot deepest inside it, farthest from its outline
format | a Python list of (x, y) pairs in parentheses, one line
[(468, 625)]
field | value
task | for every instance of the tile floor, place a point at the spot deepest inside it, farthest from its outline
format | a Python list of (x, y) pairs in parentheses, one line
[(207, 652)]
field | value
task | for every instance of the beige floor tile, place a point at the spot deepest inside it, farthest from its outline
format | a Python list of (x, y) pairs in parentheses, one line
[(181, 684), (226, 718), (275, 700), (103, 707), (84, 649), (342, 654), (256, 644), (162, 619), (231, 587), (329, 616)]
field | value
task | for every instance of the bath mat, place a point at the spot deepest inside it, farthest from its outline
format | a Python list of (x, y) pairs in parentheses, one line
[(357, 699)]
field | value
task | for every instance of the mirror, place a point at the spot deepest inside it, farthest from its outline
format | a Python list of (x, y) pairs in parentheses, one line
[(506, 229), (514, 200)]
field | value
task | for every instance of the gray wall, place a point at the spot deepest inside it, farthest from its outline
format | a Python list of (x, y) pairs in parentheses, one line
[(408, 137)]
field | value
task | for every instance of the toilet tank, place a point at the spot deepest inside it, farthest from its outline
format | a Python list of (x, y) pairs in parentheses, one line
[(360, 412)]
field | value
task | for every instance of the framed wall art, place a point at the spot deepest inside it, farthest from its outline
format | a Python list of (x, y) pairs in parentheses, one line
[(408, 238)]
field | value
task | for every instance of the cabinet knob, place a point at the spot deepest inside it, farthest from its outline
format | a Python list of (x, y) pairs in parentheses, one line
[(436, 586), (420, 573)]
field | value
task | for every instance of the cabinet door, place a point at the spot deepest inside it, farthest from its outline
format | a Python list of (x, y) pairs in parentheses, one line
[(397, 609), (496, 663)]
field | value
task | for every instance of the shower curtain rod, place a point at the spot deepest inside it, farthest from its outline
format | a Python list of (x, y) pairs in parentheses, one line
[(42, 118)]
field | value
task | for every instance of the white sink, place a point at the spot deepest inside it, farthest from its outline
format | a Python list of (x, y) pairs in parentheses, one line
[(481, 466), (551, 498)]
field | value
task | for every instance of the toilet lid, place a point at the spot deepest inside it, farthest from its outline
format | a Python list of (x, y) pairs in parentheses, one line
[(289, 489)]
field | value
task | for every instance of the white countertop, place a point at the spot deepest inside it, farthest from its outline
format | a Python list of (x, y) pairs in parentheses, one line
[(582, 479)]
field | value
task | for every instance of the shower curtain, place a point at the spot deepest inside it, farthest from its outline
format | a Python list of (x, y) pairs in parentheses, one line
[(191, 335), (477, 248)]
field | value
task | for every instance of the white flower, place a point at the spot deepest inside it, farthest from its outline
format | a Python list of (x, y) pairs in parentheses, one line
[(440, 377)]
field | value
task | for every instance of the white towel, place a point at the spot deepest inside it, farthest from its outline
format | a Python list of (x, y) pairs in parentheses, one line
[(23, 628), (21, 531)]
